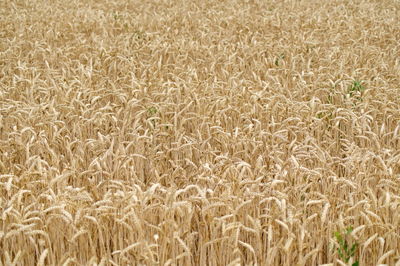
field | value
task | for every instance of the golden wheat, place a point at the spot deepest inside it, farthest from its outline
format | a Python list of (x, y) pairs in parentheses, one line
[(199, 132)]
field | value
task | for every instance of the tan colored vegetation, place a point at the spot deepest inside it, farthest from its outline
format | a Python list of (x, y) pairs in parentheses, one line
[(199, 132)]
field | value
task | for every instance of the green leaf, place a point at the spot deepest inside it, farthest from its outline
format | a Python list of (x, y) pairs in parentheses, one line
[(356, 86), (349, 230), (340, 253), (353, 249), (152, 110), (338, 237), (355, 263), (345, 246)]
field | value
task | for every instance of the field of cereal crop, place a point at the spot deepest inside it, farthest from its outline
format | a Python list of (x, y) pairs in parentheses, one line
[(200, 132)]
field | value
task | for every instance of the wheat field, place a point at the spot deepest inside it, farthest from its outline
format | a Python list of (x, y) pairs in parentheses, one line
[(200, 132)]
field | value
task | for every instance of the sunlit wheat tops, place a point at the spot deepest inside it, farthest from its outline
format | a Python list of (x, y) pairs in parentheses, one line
[(200, 132)]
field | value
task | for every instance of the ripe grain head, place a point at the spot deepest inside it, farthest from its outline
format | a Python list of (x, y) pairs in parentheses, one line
[(237, 132)]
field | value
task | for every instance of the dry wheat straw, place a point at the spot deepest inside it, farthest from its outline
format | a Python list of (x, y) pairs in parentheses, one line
[(198, 132)]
